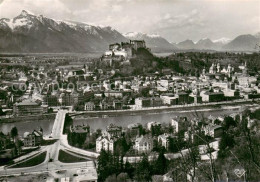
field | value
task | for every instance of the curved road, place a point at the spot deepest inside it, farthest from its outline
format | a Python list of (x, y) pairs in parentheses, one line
[(53, 153)]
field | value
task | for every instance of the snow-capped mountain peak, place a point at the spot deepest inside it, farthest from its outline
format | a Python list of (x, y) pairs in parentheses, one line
[(133, 34), (43, 34), (137, 35), (223, 40), (153, 35), (202, 40), (153, 41), (25, 18), (26, 13)]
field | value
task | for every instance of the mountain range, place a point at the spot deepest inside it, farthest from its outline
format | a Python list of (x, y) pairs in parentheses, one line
[(240, 43), (29, 33)]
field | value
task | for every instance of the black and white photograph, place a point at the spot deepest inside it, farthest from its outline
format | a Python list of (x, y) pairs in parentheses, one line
[(129, 90)]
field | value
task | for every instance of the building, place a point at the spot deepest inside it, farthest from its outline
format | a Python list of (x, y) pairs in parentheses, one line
[(115, 46), (183, 97), (33, 139), (117, 104), (195, 99), (142, 102), (143, 144), (153, 123), (136, 44), (179, 124), (79, 128), (51, 100), (29, 107), (156, 102), (163, 140), (134, 129), (75, 72), (89, 106), (215, 131), (169, 99), (116, 94), (105, 142), (114, 131), (231, 93), (70, 98), (5, 140), (212, 96)]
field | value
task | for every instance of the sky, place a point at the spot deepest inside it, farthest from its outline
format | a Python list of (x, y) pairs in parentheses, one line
[(175, 20)]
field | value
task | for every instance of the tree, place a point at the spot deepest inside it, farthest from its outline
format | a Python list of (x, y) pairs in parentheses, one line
[(14, 133), (122, 177), (1, 112), (227, 140), (156, 130), (129, 169), (143, 172), (228, 122), (111, 178), (121, 146), (161, 163), (50, 110), (141, 130), (105, 165), (173, 145)]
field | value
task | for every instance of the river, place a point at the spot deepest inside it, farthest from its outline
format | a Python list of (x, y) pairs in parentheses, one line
[(124, 121), (28, 126)]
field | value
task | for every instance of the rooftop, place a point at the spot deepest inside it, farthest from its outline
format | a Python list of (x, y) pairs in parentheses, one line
[(27, 103)]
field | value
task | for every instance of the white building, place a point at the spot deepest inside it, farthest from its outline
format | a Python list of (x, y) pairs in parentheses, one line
[(116, 53), (168, 99), (163, 140), (230, 93), (89, 106), (214, 131), (105, 142), (143, 144), (179, 123), (152, 123), (142, 102)]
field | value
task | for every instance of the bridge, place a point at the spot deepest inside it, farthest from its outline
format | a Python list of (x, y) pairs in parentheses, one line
[(52, 152)]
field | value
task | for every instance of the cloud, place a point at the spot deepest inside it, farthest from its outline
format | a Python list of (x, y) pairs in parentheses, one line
[(117, 8), (11, 8), (194, 18)]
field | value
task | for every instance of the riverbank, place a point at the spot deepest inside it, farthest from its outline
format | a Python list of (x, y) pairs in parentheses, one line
[(163, 117), (158, 110), (28, 118)]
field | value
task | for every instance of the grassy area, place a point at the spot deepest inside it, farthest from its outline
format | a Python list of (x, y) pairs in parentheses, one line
[(32, 162), (84, 155), (9, 160), (68, 158), (48, 142)]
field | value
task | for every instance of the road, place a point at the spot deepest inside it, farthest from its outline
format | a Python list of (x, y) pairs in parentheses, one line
[(53, 153)]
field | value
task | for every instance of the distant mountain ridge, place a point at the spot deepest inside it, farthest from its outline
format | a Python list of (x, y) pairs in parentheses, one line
[(240, 43), (155, 42), (186, 44)]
